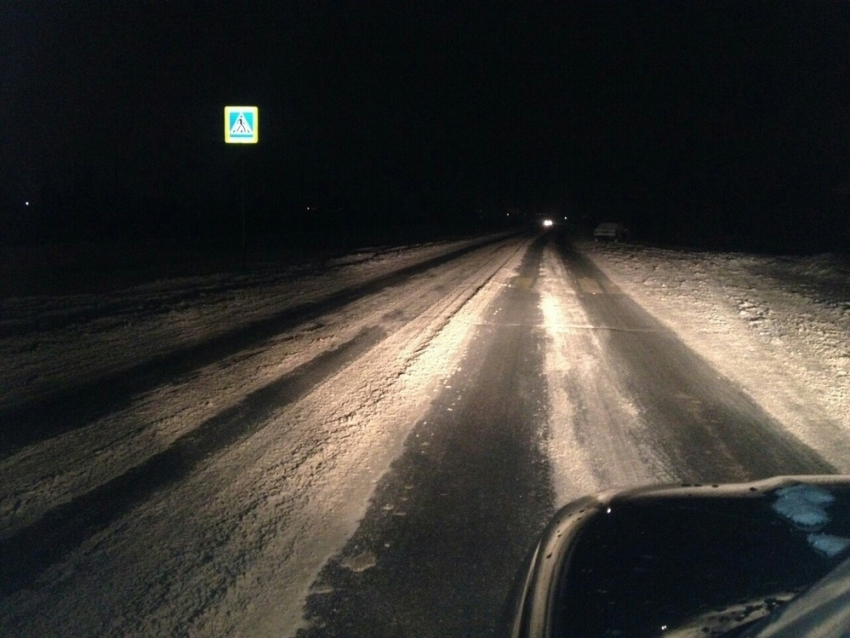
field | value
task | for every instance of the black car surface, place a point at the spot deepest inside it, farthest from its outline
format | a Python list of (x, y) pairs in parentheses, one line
[(756, 559)]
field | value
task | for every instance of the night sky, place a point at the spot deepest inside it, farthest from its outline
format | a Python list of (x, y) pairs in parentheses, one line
[(724, 124)]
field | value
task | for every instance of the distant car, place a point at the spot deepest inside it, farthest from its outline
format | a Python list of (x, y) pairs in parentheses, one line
[(768, 558), (611, 230)]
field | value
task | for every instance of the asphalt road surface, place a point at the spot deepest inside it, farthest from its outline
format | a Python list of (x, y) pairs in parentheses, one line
[(374, 461), (449, 525)]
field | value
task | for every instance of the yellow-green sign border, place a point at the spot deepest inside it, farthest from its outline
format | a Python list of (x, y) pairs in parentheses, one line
[(228, 139)]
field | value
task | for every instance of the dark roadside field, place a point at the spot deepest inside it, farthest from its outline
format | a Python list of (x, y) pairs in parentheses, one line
[(87, 267)]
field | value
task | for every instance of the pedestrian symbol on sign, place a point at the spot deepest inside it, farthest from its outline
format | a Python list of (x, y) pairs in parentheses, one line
[(240, 124)]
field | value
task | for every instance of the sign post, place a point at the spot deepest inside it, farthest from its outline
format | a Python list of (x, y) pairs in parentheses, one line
[(242, 126)]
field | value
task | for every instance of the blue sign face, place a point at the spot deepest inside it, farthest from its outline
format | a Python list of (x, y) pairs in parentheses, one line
[(241, 124)]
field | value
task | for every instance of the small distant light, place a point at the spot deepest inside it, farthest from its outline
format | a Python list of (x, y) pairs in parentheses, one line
[(564, 217), (26, 203), (547, 223), (663, 627), (507, 214), (608, 511)]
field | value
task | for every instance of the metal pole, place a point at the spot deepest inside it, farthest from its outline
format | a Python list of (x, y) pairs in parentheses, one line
[(244, 240)]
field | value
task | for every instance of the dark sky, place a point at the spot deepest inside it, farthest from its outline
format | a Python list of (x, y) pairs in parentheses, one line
[(717, 108)]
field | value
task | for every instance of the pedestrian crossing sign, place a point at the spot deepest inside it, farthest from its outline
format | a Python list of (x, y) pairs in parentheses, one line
[(241, 124)]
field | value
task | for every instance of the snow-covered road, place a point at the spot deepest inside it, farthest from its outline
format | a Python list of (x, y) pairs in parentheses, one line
[(777, 326), (183, 458), (322, 406)]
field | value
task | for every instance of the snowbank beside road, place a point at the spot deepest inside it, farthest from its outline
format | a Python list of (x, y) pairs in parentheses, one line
[(777, 326)]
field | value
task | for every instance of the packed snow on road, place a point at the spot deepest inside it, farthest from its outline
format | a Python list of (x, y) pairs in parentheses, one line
[(330, 365), (777, 326)]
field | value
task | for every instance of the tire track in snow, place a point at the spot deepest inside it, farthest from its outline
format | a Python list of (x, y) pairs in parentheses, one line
[(586, 395), (71, 408), (46, 475), (30, 551), (415, 343), (706, 428), (448, 525), (359, 423)]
